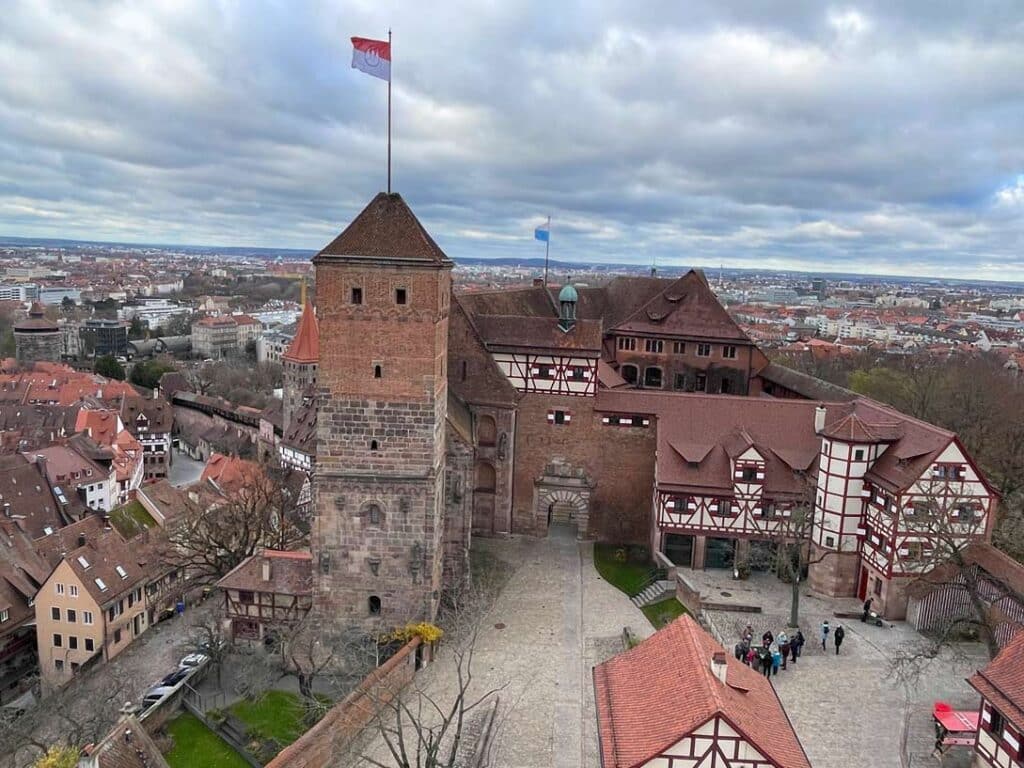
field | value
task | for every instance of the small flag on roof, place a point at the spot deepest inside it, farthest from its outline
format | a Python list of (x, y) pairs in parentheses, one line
[(543, 233), (372, 57)]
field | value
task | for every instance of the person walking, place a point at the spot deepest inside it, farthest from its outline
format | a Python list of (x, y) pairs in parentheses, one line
[(748, 634), (764, 656), (824, 633), (751, 657), (867, 609), (783, 640), (767, 638), (776, 660), (838, 637)]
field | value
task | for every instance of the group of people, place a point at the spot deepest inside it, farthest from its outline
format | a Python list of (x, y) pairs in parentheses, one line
[(777, 651)]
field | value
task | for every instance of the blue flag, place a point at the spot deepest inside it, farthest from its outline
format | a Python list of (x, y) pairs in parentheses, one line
[(542, 233)]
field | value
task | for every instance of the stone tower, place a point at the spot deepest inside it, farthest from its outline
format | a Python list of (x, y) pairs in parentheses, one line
[(37, 338), (383, 290), (300, 363)]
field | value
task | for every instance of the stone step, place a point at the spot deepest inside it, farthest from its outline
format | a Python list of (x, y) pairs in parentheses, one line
[(653, 593)]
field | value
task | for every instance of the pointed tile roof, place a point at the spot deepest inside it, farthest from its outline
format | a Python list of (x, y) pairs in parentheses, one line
[(1002, 681), (305, 347), (680, 692), (386, 229)]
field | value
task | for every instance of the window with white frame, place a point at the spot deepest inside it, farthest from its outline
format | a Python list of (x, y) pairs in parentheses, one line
[(559, 417), (703, 350), (58, 588), (87, 617), (679, 347), (73, 590), (729, 352), (654, 345), (627, 343)]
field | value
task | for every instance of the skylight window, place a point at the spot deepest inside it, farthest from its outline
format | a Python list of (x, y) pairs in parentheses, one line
[(121, 572), (101, 584), (83, 562)]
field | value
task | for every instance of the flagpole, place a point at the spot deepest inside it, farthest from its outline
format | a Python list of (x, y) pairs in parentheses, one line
[(547, 248), (389, 112)]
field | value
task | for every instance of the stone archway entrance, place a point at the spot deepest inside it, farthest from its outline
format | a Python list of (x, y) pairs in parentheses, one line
[(562, 497)]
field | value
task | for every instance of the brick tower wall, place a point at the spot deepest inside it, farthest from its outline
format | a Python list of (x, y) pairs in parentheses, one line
[(380, 442)]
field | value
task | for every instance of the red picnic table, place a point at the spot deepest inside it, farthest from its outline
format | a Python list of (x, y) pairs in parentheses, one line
[(954, 728)]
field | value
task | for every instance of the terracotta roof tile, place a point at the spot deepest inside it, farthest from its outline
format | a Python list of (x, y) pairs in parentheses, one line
[(385, 229), (305, 347), (681, 692), (538, 333), (1002, 681), (291, 573)]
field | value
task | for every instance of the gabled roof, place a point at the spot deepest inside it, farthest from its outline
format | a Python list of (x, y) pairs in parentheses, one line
[(305, 347), (386, 229), (1002, 681), (510, 332), (687, 307), (679, 692), (291, 573), (157, 415), (127, 745), (472, 373)]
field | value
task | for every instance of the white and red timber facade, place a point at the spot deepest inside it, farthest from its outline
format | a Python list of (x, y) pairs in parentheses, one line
[(1000, 737), (720, 713), (637, 411)]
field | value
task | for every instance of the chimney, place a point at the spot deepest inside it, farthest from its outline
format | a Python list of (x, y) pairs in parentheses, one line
[(81, 539), (266, 569), (819, 419), (106, 522), (718, 666)]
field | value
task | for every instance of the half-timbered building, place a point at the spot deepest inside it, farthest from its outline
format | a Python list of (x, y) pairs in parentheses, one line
[(636, 411), (266, 593), (698, 707), (1000, 737)]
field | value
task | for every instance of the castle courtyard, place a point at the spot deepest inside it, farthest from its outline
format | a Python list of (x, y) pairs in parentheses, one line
[(556, 618)]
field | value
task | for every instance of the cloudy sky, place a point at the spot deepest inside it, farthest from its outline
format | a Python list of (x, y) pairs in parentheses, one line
[(864, 137)]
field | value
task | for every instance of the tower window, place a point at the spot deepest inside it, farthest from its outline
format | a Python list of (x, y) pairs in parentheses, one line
[(357, 295), (373, 514), (378, 372), (400, 296), (374, 604), (465, 367), (374, 445)]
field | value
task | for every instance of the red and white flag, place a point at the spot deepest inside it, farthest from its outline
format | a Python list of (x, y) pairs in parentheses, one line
[(372, 57)]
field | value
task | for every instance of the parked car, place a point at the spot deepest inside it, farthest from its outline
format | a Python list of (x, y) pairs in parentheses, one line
[(156, 694), (193, 660), (176, 676)]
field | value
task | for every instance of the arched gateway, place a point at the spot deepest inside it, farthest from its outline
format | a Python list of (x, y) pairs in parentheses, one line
[(562, 497)]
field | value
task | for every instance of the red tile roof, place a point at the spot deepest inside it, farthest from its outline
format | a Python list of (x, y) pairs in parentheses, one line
[(291, 573), (656, 694), (230, 472), (1002, 681), (305, 347), (385, 229)]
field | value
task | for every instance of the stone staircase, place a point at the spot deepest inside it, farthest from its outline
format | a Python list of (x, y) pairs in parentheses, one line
[(653, 592)]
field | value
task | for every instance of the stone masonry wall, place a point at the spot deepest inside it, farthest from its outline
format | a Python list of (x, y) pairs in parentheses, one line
[(458, 513), (326, 743), (619, 459), (32, 347)]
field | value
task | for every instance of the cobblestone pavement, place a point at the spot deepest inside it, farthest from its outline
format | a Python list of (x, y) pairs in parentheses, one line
[(127, 676), (184, 469), (848, 709), (557, 617)]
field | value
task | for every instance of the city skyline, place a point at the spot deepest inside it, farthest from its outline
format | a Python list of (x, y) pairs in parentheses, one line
[(857, 138)]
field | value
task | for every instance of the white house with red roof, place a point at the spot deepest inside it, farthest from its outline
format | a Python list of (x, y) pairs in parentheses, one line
[(1000, 737), (698, 707)]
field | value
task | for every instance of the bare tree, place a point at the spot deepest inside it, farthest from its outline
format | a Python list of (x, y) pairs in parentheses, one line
[(211, 539), (942, 539)]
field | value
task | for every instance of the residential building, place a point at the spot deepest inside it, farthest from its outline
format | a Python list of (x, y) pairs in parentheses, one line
[(22, 571), (267, 593), (274, 343), (219, 336), (678, 699), (1000, 737), (19, 292), (92, 606), (150, 421)]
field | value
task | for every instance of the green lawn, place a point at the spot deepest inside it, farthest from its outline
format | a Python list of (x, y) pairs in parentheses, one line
[(275, 715), (663, 611), (196, 746), (131, 519), (627, 575)]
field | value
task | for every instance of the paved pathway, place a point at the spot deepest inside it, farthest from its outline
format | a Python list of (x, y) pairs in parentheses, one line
[(847, 709), (557, 617)]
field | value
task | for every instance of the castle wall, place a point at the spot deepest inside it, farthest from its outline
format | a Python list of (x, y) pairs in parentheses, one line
[(619, 459)]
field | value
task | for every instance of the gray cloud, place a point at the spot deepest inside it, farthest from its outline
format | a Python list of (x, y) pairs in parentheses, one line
[(870, 136)]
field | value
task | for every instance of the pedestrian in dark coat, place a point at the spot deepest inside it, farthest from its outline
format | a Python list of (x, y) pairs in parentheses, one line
[(764, 656), (767, 638), (838, 637), (797, 646), (867, 609)]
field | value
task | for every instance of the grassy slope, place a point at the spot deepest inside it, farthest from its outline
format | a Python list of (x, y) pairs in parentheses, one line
[(669, 609), (196, 746), (626, 576), (276, 715)]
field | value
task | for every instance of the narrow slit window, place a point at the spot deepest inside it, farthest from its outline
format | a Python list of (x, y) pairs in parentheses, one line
[(357, 295), (400, 297)]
